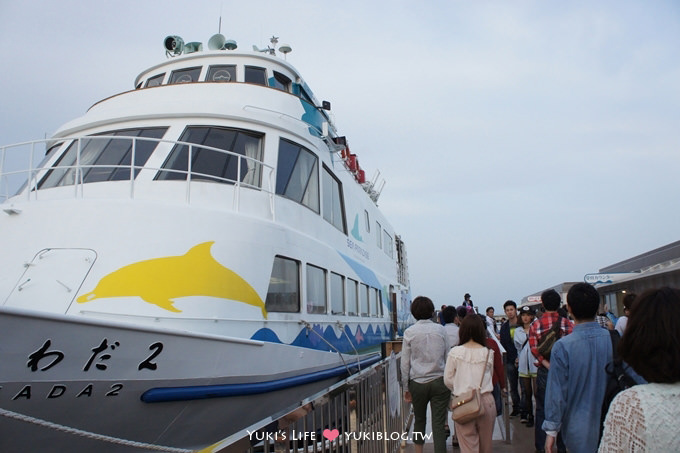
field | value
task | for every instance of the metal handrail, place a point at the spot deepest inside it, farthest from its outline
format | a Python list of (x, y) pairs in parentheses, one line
[(356, 407), (34, 175)]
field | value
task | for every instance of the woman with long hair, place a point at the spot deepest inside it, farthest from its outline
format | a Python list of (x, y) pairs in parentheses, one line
[(466, 366), (644, 418)]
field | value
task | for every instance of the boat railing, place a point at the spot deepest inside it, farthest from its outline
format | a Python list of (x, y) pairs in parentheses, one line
[(21, 176), (364, 413)]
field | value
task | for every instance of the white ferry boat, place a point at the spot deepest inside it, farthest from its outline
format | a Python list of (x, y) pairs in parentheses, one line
[(189, 257)]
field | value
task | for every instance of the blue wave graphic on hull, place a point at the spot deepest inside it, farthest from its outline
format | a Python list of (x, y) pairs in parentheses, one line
[(326, 339)]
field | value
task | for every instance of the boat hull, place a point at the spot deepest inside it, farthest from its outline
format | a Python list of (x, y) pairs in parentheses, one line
[(144, 385)]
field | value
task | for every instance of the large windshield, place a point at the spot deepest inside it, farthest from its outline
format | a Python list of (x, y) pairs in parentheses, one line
[(103, 157)]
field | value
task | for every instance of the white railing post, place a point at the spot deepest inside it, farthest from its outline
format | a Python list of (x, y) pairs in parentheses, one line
[(77, 169), (237, 192), (132, 168), (191, 147), (2, 176), (30, 174), (272, 194)]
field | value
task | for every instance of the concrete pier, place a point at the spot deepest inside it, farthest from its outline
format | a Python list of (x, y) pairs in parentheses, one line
[(522, 439)]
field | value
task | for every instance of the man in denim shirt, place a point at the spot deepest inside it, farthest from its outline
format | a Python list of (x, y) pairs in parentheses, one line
[(577, 379)]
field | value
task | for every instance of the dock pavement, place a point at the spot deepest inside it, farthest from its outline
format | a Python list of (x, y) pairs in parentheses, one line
[(521, 439)]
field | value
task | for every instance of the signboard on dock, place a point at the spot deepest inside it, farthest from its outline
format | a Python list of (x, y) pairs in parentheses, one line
[(612, 277)]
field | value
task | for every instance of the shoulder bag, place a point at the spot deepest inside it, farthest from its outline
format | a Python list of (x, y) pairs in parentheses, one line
[(468, 405)]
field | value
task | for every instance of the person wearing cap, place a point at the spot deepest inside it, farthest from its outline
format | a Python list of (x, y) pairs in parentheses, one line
[(467, 303), (526, 367)]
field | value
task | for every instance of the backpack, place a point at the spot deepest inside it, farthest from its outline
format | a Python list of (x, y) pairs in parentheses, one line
[(617, 379), (549, 338)]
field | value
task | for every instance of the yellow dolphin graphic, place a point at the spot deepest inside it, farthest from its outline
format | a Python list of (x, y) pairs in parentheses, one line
[(161, 280)]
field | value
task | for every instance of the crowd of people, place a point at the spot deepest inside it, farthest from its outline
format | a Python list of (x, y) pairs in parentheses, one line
[(563, 367)]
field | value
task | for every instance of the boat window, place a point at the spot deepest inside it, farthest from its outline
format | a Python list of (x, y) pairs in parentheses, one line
[(368, 221), (103, 158), (297, 175), (337, 294), (185, 75), (305, 96), (212, 165), (280, 82), (49, 154), (155, 80), (378, 234), (333, 209), (352, 297), (221, 73), (380, 303), (373, 301), (363, 299), (255, 75), (387, 241), (316, 289), (283, 294)]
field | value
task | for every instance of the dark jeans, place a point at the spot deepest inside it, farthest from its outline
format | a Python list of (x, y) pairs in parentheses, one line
[(527, 406), (539, 434), (512, 374)]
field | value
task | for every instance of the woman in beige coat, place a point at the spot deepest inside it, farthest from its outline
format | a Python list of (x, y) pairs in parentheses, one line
[(466, 366)]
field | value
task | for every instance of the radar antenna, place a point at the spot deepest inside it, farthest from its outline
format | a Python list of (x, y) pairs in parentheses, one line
[(271, 50)]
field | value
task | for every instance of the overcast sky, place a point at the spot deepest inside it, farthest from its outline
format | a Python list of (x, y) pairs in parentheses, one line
[(523, 144)]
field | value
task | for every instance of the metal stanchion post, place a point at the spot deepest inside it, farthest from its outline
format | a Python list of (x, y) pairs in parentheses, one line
[(506, 404)]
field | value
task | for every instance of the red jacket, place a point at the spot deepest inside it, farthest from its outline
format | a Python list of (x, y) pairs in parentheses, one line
[(498, 369)]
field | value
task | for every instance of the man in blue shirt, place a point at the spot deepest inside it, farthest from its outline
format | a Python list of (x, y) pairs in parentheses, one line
[(577, 377)]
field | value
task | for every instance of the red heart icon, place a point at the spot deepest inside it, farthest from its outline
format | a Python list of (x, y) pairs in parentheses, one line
[(331, 435)]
